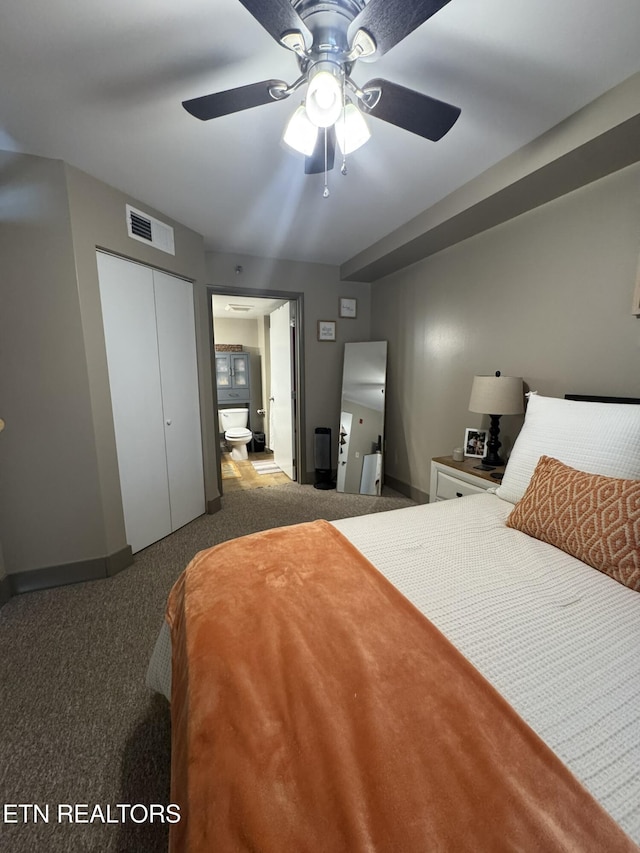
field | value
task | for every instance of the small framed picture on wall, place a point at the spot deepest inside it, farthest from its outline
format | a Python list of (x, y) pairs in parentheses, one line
[(475, 443), (326, 330), (348, 307)]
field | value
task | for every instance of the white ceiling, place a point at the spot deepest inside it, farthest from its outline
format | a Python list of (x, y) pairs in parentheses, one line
[(100, 86), (250, 308)]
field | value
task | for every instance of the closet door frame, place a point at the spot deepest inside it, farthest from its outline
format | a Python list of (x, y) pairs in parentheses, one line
[(139, 349)]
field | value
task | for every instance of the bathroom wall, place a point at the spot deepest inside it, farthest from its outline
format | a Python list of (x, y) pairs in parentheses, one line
[(247, 334)]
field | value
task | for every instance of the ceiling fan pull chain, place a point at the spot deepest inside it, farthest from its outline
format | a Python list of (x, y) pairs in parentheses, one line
[(325, 192)]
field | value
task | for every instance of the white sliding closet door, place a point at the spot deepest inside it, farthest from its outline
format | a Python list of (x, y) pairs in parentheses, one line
[(180, 396), (129, 316), (150, 342)]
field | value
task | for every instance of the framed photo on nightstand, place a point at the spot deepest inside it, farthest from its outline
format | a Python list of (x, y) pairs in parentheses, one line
[(475, 443), (348, 307)]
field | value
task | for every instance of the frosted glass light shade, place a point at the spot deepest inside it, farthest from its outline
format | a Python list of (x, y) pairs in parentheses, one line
[(300, 134), (324, 98), (497, 395), (351, 129)]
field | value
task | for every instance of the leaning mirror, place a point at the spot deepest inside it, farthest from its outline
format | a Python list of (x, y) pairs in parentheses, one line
[(361, 433)]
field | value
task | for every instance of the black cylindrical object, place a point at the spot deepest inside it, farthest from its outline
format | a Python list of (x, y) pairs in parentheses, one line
[(258, 442), (322, 458)]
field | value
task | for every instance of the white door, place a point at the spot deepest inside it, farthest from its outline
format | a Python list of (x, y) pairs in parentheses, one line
[(150, 343), (281, 401), (129, 316), (180, 396)]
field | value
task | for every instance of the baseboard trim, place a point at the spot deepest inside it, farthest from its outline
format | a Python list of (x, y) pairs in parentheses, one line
[(116, 563), (68, 573), (5, 590), (407, 490), (214, 505)]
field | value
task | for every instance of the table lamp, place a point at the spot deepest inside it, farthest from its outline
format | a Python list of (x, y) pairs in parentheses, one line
[(495, 396)]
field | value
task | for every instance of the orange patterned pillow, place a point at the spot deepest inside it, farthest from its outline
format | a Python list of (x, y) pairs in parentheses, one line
[(590, 516)]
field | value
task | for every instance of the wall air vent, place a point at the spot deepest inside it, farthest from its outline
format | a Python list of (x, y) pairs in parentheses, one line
[(147, 229)]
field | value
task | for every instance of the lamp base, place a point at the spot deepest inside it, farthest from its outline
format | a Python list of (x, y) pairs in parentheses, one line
[(494, 443), (493, 460)]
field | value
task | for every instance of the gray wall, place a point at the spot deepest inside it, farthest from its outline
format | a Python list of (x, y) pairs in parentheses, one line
[(597, 140), (322, 289), (60, 503), (546, 296), (98, 220), (50, 508)]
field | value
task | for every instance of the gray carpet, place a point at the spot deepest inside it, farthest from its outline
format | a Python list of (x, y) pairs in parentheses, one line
[(78, 725)]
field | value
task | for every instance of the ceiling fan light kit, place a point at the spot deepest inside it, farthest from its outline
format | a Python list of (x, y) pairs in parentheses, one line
[(328, 37), (300, 133), (324, 93), (352, 130)]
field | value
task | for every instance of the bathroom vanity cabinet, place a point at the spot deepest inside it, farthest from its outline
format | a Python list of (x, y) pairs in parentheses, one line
[(233, 377)]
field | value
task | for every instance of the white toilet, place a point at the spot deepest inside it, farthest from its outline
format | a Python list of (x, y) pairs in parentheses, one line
[(233, 423)]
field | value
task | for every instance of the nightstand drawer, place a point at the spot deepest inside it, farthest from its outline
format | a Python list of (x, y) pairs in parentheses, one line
[(451, 478), (450, 487)]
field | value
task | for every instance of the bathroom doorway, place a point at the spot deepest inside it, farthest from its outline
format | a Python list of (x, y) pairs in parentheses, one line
[(260, 332)]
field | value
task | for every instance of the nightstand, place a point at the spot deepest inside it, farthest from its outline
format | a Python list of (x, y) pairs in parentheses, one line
[(451, 479)]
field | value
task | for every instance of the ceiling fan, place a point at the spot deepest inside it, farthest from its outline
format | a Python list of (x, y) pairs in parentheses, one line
[(328, 38)]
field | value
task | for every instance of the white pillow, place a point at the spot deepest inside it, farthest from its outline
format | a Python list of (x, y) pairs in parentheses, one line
[(599, 438)]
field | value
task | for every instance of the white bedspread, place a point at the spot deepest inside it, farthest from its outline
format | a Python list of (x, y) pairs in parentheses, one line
[(559, 640)]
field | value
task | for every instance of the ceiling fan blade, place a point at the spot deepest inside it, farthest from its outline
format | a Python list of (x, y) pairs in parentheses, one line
[(389, 21), (410, 110), (278, 17), (315, 163), (234, 100)]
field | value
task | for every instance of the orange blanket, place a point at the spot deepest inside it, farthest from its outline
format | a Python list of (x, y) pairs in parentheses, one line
[(315, 710)]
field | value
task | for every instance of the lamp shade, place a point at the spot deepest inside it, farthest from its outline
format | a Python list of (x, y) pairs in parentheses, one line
[(300, 134), (351, 129), (497, 395)]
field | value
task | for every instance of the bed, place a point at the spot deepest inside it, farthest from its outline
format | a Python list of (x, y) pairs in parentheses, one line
[(432, 678)]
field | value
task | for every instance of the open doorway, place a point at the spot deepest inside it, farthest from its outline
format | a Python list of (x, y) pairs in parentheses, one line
[(259, 401)]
